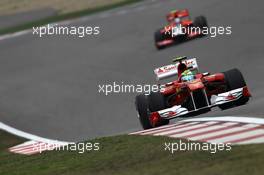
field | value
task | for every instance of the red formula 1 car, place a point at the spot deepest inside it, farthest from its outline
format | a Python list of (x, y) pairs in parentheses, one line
[(193, 93), (179, 29)]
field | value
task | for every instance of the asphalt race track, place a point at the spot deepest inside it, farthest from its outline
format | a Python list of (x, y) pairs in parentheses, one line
[(49, 85)]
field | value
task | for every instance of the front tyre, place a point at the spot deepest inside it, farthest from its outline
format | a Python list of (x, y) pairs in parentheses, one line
[(234, 80), (142, 109), (158, 37), (156, 102), (200, 22)]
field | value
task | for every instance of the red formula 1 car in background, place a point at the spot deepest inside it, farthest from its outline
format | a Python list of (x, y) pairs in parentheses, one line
[(179, 29), (193, 93)]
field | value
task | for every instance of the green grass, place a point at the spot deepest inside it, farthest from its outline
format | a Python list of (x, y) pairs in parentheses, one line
[(133, 155), (65, 16)]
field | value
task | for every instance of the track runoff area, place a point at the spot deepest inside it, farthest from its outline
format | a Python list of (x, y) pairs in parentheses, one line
[(227, 130)]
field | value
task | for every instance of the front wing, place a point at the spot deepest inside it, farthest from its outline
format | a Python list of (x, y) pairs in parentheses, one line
[(216, 100), (171, 40)]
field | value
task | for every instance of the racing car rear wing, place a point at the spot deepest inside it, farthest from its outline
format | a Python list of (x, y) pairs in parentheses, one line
[(172, 69)]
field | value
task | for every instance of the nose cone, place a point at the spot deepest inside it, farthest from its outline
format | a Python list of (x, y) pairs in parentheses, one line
[(195, 85)]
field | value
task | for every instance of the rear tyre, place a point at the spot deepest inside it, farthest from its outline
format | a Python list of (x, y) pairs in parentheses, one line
[(156, 102), (234, 80), (158, 37), (142, 109)]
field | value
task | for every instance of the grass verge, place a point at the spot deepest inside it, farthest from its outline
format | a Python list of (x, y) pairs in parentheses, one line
[(129, 155), (65, 16)]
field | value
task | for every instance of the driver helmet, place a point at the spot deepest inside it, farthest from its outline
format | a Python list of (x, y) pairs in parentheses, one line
[(177, 20), (187, 75)]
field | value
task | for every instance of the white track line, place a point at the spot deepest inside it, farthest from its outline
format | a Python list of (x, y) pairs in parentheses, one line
[(35, 144), (28, 136)]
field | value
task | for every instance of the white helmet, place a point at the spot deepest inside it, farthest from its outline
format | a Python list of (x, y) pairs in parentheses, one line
[(177, 20)]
